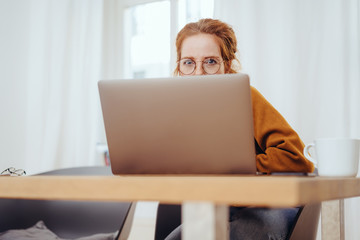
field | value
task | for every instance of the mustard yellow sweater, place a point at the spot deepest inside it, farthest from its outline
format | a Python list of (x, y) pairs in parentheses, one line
[(278, 146)]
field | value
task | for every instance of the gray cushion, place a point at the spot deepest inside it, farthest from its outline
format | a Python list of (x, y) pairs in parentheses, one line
[(40, 231)]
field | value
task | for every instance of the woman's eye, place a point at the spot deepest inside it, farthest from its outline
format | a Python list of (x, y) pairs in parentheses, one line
[(211, 61), (188, 62)]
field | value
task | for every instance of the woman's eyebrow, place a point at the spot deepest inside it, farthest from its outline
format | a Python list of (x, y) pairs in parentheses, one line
[(188, 57), (213, 57)]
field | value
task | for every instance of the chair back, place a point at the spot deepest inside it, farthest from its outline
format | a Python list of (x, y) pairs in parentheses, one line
[(307, 223), (67, 219)]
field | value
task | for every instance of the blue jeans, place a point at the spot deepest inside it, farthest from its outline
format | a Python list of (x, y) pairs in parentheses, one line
[(256, 223)]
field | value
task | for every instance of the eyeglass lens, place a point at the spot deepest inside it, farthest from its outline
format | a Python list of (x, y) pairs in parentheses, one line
[(209, 65)]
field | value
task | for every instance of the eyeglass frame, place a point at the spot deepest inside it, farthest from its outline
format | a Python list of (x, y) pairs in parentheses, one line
[(202, 65), (14, 171)]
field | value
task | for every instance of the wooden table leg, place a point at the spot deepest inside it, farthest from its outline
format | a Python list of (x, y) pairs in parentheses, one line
[(205, 220), (332, 220)]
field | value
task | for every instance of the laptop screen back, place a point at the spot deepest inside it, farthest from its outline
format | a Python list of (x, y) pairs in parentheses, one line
[(179, 125)]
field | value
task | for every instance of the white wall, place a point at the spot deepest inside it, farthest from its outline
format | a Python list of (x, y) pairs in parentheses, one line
[(13, 43)]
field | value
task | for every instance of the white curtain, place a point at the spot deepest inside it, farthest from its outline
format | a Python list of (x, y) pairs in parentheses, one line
[(64, 65), (304, 56)]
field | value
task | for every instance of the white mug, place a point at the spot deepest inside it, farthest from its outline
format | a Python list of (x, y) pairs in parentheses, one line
[(335, 157)]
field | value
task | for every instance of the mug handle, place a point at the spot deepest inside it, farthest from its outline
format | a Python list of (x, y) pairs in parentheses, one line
[(307, 153)]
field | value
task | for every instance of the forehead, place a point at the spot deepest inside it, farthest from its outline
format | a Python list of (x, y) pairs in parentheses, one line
[(200, 46)]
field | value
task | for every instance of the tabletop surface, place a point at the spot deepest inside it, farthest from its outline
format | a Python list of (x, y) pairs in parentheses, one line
[(222, 189)]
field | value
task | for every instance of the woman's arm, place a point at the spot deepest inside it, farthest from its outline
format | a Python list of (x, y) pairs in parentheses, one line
[(279, 148)]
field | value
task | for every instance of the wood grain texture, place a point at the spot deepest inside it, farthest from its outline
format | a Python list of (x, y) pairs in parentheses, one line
[(274, 191)]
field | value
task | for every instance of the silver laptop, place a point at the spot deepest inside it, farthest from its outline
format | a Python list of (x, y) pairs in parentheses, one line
[(179, 125)]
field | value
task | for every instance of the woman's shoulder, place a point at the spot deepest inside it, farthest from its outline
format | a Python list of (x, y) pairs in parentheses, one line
[(256, 96), (262, 108)]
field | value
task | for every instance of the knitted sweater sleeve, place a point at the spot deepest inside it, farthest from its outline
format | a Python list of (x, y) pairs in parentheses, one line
[(279, 148)]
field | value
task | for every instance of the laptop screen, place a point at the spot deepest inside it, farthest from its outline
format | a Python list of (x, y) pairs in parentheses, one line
[(179, 125)]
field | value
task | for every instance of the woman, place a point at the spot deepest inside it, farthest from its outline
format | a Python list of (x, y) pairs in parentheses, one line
[(209, 47)]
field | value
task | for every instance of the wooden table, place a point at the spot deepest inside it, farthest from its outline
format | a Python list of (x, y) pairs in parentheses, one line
[(212, 193)]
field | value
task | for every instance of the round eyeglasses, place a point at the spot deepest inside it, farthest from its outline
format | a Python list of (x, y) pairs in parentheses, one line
[(11, 171), (209, 65)]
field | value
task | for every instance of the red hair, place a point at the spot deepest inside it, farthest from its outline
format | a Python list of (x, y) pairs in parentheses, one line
[(225, 36)]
